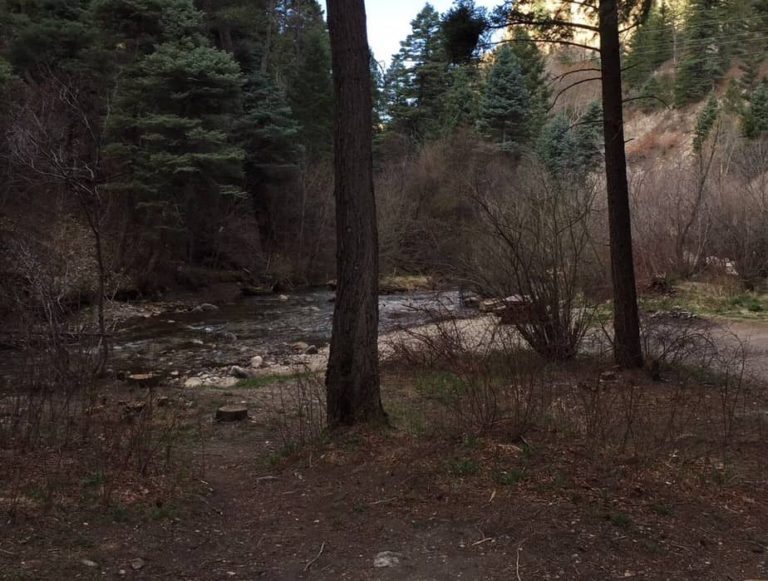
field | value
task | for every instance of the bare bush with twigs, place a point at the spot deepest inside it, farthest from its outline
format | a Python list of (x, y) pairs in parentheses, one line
[(533, 240), (60, 424)]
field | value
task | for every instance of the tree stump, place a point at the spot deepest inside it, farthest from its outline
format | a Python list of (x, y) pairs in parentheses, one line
[(231, 413), (145, 379)]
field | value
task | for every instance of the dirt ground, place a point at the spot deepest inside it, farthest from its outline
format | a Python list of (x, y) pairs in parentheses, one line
[(444, 506)]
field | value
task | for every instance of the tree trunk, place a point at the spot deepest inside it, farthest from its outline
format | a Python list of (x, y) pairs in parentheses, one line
[(627, 349), (352, 378)]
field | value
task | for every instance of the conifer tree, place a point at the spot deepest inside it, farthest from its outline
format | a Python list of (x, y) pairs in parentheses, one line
[(589, 138), (309, 87), (51, 36), (171, 131), (463, 26), (505, 106), (650, 47), (418, 78), (572, 148), (702, 63), (461, 100), (267, 132), (556, 144), (755, 119), (705, 122), (534, 70)]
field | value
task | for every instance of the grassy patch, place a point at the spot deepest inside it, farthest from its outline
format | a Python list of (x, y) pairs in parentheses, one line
[(463, 467), (438, 385), (751, 302), (619, 519), (509, 477), (272, 379), (708, 300), (166, 511), (404, 283), (407, 416), (662, 509)]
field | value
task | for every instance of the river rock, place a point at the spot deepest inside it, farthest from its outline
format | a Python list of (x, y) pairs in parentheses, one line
[(299, 347), (226, 337), (193, 382), (282, 298), (257, 361), (491, 305), (242, 372), (470, 300), (231, 413), (225, 382), (205, 308), (386, 559)]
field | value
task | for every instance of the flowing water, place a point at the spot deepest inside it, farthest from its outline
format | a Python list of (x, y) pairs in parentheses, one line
[(264, 325)]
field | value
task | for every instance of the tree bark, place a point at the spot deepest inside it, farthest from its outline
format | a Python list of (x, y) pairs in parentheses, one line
[(352, 378), (627, 349)]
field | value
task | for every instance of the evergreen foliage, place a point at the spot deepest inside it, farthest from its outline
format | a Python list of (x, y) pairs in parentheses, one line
[(534, 70), (650, 47), (505, 105), (463, 27), (755, 119), (461, 100), (705, 123), (310, 94), (171, 129), (419, 78), (572, 149), (6, 75), (703, 60), (266, 131), (51, 37)]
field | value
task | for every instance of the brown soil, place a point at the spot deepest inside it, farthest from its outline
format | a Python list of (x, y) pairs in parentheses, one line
[(550, 506)]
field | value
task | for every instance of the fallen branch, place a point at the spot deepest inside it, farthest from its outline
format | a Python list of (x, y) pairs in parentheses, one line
[(320, 552)]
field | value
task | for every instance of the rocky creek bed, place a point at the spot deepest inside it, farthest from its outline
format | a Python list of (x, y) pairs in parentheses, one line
[(219, 344)]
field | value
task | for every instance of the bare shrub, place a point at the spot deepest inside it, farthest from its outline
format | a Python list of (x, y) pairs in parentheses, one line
[(396, 211), (672, 215), (740, 232), (473, 376), (481, 373), (676, 338), (533, 240), (59, 426), (299, 413)]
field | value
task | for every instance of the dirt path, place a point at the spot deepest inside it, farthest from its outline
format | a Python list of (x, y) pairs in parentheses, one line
[(755, 336), (433, 505)]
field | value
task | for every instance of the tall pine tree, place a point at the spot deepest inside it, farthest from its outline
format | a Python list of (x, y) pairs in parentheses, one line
[(171, 132), (418, 79), (703, 61), (505, 106), (651, 46)]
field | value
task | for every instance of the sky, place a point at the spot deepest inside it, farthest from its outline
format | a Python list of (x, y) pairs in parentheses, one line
[(389, 21)]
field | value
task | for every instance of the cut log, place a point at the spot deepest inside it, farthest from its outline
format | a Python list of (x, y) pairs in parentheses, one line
[(145, 379), (231, 413)]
